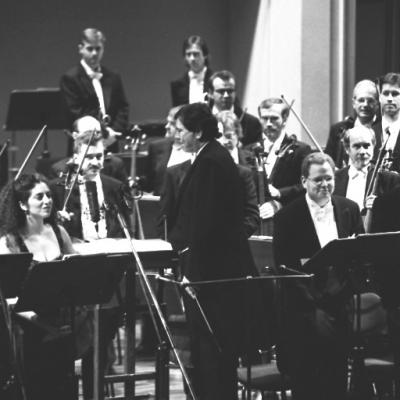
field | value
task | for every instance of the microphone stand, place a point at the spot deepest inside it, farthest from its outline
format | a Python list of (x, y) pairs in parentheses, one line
[(152, 300)]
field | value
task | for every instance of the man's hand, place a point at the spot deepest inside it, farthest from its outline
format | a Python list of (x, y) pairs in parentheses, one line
[(369, 201), (268, 209), (112, 137), (275, 193)]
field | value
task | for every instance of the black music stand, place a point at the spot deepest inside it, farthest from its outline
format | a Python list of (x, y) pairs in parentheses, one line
[(33, 108), (13, 269), (357, 256)]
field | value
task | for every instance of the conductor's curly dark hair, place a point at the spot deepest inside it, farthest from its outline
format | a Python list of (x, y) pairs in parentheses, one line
[(12, 217)]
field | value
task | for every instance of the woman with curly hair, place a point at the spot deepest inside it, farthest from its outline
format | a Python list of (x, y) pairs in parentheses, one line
[(28, 224)]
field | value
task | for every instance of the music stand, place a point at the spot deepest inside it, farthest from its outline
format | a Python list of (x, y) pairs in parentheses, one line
[(13, 269), (31, 109), (356, 256)]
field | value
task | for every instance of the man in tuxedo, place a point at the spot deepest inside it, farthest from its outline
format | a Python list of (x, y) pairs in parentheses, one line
[(282, 157), (354, 180), (193, 85), (366, 106), (209, 233), (89, 88), (389, 98), (90, 214), (315, 332), (222, 97)]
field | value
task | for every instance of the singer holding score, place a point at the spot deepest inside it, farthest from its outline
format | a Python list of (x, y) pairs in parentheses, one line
[(90, 214), (28, 224)]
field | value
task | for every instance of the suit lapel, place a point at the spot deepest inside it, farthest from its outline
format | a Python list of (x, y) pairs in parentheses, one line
[(86, 81), (342, 181), (106, 86)]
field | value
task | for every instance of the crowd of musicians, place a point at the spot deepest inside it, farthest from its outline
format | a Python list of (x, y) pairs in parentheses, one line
[(222, 175)]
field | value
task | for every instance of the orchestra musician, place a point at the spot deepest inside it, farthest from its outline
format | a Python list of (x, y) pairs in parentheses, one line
[(209, 233), (89, 88), (90, 214), (353, 181), (28, 224), (222, 97), (314, 339), (193, 85), (366, 113), (283, 157), (389, 98)]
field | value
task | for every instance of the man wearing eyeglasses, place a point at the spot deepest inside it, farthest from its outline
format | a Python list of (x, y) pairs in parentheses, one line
[(354, 181), (314, 338), (222, 96), (365, 105)]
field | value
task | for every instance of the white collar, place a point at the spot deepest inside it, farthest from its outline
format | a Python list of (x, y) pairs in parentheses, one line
[(90, 72), (197, 75), (354, 172)]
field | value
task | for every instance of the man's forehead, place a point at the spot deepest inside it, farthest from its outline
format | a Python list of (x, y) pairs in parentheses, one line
[(320, 169), (274, 110), (220, 83), (86, 125), (366, 91), (95, 42), (388, 86)]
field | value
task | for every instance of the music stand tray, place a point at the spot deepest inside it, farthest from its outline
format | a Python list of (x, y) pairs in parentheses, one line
[(31, 109), (76, 281), (13, 270)]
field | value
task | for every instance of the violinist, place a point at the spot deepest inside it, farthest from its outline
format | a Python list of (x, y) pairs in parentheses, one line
[(28, 224), (282, 156), (366, 113), (90, 214), (354, 180)]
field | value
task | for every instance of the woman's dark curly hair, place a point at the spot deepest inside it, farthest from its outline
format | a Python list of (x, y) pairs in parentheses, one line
[(12, 217)]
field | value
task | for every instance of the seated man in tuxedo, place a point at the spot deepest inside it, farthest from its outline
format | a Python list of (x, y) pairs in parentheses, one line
[(282, 157), (354, 180), (313, 347), (193, 85), (89, 88), (222, 97), (113, 166), (365, 105), (90, 214)]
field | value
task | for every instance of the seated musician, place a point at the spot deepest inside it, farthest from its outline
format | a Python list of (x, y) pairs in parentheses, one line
[(314, 338), (353, 181), (113, 166), (90, 214), (283, 157), (28, 224)]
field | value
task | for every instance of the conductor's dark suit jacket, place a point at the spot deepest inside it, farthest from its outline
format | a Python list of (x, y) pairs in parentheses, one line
[(113, 190)]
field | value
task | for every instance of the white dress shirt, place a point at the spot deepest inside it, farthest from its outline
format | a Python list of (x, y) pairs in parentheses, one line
[(357, 185), (196, 86), (394, 128), (178, 156), (272, 148), (324, 221), (95, 77)]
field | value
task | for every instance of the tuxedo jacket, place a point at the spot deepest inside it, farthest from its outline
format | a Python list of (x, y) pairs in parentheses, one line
[(334, 146), (81, 99), (387, 181), (209, 218), (286, 174), (158, 157), (113, 191), (180, 88), (295, 238)]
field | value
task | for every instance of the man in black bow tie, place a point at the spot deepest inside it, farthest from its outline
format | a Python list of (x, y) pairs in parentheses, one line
[(92, 89)]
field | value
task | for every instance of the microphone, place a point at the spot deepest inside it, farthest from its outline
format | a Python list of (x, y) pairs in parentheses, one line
[(91, 191)]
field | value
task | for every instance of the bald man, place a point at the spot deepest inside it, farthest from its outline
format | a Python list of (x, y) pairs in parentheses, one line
[(365, 105)]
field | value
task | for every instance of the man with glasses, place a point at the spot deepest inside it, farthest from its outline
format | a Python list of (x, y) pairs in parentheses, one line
[(314, 338), (366, 106), (222, 97)]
